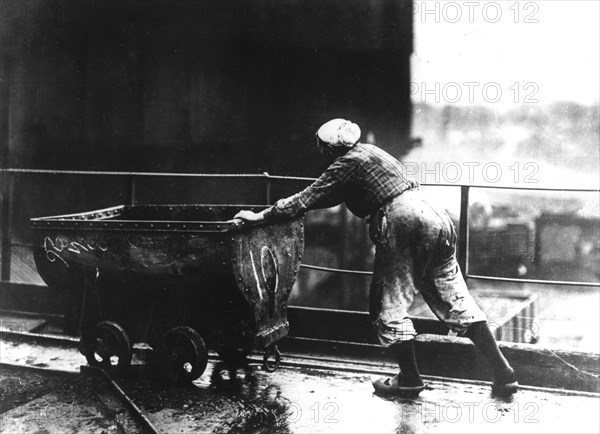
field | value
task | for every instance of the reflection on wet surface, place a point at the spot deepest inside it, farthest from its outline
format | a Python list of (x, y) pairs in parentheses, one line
[(292, 399), (223, 400), (302, 400)]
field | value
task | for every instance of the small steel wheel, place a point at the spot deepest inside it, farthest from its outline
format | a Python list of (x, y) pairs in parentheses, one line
[(184, 354), (272, 352), (107, 346)]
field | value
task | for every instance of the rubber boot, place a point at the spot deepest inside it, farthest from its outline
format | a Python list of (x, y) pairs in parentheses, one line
[(404, 353), (505, 382), (408, 382)]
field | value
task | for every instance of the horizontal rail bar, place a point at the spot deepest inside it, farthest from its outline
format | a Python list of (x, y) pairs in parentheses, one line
[(506, 187), (536, 281), (336, 270), (266, 175), (471, 276), (117, 173)]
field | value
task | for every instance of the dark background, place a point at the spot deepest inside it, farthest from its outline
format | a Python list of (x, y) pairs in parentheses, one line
[(201, 86)]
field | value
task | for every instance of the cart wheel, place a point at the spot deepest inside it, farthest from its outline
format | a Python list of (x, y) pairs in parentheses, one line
[(233, 356), (107, 346), (272, 351), (184, 354)]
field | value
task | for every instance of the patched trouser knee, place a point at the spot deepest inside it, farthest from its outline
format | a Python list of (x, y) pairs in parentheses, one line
[(447, 295), (392, 329)]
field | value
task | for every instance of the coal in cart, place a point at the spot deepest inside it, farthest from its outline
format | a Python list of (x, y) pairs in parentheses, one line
[(180, 278)]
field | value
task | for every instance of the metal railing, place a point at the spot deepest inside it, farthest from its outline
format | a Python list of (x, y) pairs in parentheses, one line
[(132, 177)]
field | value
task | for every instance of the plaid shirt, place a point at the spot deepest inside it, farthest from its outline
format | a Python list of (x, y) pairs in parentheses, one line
[(364, 178)]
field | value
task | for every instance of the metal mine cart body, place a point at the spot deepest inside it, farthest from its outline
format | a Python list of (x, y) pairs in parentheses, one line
[(177, 277)]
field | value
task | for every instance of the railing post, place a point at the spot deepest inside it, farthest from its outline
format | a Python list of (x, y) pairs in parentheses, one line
[(268, 188), (6, 236), (132, 188), (463, 230), (6, 61)]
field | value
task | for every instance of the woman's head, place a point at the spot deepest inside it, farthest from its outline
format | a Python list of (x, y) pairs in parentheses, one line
[(337, 137)]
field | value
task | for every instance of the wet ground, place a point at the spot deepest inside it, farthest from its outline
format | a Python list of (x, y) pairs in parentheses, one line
[(45, 402), (309, 400), (293, 399)]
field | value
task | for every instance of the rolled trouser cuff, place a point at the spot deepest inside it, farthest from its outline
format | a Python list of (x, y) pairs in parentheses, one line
[(391, 331)]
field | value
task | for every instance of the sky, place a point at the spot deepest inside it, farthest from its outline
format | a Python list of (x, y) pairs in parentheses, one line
[(508, 52)]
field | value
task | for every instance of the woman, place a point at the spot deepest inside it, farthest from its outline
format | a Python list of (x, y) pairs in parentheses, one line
[(415, 250)]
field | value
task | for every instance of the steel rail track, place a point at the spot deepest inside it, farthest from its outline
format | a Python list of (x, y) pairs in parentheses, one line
[(143, 424), (289, 360)]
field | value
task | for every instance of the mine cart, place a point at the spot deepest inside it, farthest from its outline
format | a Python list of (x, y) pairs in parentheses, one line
[(179, 278)]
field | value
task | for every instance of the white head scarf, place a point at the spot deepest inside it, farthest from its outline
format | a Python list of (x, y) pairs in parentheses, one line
[(339, 132)]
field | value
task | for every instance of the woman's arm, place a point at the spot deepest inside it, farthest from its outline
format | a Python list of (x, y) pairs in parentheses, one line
[(326, 191), (251, 216)]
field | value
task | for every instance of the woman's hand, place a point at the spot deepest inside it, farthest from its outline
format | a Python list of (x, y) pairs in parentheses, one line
[(249, 216)]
